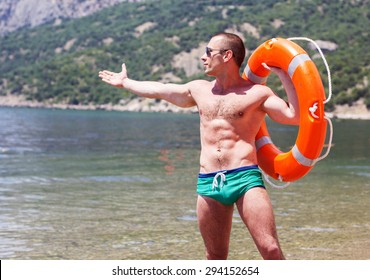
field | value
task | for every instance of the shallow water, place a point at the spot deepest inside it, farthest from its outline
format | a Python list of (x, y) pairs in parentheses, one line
[(110, 185)]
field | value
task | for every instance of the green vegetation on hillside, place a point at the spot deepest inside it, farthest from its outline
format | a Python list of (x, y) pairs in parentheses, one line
[(59, 63)]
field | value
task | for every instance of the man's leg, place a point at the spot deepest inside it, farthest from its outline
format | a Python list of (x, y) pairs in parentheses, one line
[(256, 211), (214, 220)]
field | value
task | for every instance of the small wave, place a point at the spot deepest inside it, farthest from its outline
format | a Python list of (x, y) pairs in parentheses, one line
[(116, 179), (317, 249), (187, 218), (133, 244), (364, 174), (316, 229), (16, 150), (52, 180), (353, 166), (21, 180)]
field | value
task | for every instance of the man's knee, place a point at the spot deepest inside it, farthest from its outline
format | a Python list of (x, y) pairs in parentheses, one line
[(272, 252)]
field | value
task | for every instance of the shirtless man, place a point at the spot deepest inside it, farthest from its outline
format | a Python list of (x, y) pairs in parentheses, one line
[(231, 111)]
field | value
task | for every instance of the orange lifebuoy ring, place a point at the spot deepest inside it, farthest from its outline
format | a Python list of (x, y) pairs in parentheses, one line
[(296, 163)]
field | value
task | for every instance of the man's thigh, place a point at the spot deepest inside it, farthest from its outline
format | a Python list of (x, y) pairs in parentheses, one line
[(215, 220), (257, 213)]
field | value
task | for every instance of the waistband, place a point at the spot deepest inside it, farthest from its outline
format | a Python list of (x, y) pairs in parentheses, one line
[(235, 170)]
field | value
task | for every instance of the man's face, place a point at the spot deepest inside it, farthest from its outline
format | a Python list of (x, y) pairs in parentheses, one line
[(213, 56)]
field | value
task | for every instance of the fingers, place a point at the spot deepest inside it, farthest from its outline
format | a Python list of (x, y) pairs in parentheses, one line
[(106, 73), (105, 80), (105, 76), (266, 66), (271, 68)]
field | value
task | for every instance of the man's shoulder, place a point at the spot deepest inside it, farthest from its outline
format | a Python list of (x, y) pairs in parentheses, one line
[(260, 89), (200, 82), (199, 85)]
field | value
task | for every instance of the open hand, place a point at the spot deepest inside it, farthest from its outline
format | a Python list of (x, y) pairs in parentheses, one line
[(114, 79)]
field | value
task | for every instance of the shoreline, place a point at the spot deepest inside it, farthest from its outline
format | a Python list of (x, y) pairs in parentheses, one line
[(125, 105), (357, 111)]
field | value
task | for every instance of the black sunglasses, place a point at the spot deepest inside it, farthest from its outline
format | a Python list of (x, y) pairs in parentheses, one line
[(210, 50)]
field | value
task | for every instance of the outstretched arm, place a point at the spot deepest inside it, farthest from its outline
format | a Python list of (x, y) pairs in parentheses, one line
[(277, 108), (179, 95)]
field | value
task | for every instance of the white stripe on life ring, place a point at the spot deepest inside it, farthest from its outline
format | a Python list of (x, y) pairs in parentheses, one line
[(263, 141), (301, 158), (296, 61), (253, 77)]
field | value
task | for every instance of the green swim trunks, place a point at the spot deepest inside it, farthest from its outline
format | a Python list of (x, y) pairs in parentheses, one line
[(228, 186)]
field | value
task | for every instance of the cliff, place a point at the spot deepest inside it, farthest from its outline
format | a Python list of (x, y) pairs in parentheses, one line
[(15, 14)]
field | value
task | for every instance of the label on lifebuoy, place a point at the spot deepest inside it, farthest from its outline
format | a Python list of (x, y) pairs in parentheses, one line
[(313, 110)]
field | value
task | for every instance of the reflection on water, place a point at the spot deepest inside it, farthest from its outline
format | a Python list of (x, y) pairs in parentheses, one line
[(109, 185)]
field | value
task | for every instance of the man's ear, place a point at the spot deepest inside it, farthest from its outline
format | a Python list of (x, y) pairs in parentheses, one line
[(228, 55)]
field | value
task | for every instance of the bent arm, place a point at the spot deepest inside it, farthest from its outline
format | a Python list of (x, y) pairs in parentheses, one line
[(179, 95), (277, 108)]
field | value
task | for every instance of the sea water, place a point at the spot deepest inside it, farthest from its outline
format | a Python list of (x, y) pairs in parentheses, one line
[(119, 185)]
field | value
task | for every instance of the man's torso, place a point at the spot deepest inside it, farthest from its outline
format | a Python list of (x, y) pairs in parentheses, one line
[(229, 122)]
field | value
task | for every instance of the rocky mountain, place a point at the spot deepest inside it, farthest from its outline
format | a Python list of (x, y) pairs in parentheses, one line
[(56, 63), (15, 14)]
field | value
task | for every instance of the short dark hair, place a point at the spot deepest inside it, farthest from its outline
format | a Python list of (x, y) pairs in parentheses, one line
[(235, 43)]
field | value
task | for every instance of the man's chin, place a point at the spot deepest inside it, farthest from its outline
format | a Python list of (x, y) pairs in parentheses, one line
[(208, 73)]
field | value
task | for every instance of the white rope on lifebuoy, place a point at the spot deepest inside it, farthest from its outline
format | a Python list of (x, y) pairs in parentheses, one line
[(330, 140), (272, 184), (312, 112), (329, 94), (323, 59)]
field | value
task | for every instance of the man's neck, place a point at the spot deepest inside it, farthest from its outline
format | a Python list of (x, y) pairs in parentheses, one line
[(225, 83)]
